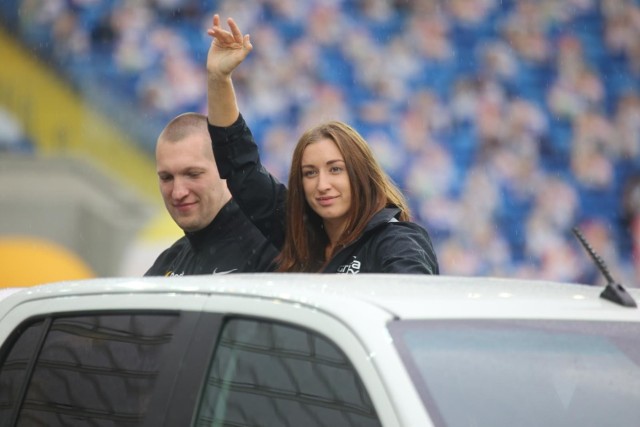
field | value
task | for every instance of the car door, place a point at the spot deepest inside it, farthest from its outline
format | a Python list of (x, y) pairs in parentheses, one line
[(195, 364)]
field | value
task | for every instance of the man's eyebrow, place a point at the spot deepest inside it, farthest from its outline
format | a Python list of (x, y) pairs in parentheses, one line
[(193, 169), (187, 169)]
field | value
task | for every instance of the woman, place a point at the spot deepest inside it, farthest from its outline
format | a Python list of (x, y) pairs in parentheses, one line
[(341, 214)]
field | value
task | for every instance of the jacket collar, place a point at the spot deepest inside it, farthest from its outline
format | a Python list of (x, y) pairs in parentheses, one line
[(215, 227), (382, 217)]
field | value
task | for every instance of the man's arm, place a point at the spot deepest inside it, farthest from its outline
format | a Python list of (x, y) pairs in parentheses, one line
[(228, 49)]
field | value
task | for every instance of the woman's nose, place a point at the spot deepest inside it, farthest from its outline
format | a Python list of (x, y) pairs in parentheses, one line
[(323, 183)]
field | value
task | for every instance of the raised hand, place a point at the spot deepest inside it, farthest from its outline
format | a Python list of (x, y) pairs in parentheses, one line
[(228, 48)]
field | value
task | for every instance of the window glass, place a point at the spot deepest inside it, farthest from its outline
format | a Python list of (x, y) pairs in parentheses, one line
[(270, 374), (524, 373), (14, 367), (95, 370)]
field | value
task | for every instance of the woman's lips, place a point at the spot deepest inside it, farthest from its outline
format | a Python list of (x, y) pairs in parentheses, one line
[(325, 201)]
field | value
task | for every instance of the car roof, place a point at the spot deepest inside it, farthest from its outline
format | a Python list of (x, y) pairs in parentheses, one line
[(403, 296)]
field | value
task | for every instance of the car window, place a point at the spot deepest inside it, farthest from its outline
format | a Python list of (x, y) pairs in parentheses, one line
[(524, 372), (14, 369), (270, 374), (97, 370)]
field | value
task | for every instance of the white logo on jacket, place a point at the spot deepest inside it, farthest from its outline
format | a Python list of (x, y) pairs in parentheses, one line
[(351, 268), (215, 271)]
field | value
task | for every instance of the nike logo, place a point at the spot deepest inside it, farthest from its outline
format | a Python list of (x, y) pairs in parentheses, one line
[(215, 271)]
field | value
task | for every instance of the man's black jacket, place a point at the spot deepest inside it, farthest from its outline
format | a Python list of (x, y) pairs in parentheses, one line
[(230, 244)]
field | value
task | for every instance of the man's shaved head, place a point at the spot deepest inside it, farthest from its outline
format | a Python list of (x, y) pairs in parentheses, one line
[(184, 125)]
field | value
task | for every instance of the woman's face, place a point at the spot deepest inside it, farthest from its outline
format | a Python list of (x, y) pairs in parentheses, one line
[(326, 182)]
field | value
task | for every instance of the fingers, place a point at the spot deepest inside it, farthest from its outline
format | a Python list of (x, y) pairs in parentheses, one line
[(229, 38), (216, 30), (237, 35)]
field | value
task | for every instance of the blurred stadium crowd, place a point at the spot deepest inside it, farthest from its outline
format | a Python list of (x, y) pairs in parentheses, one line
[(506, 122)]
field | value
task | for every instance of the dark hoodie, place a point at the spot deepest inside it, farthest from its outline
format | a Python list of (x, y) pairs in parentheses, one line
[(386, 246)]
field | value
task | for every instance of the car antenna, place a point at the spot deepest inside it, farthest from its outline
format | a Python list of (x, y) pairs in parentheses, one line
[(613, 292)]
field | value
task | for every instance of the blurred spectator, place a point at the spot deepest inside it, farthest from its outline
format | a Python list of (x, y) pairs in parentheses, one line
[(594, 148), (498, 63), (622, 27), (424, 121), (577, 88), (278, 143), (524, 29), (627, 127), (553, 215), (177, 82), (431, 173)]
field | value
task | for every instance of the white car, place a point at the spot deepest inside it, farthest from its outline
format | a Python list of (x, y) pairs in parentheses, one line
[(318, 350)]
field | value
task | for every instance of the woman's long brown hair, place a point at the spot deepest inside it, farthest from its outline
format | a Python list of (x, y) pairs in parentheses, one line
[(371, 190)]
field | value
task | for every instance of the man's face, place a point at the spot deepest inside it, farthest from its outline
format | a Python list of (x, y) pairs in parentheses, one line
[(189, 181)]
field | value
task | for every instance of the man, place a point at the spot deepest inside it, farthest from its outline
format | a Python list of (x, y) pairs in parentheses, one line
[(218, 238)]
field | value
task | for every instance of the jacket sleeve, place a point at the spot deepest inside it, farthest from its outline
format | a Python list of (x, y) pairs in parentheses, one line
[(405, 248), (258, 193)]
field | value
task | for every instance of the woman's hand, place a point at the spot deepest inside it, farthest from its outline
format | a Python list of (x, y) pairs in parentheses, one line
[(228, 48)]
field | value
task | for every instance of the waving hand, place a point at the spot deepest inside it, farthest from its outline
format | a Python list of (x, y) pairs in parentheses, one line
[(228, 48)]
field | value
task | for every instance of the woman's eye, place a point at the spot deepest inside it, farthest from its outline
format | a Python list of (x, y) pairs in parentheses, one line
[(308, 173), (336, 169)]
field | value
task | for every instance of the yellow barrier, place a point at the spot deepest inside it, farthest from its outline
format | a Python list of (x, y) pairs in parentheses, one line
[(36, 261)]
